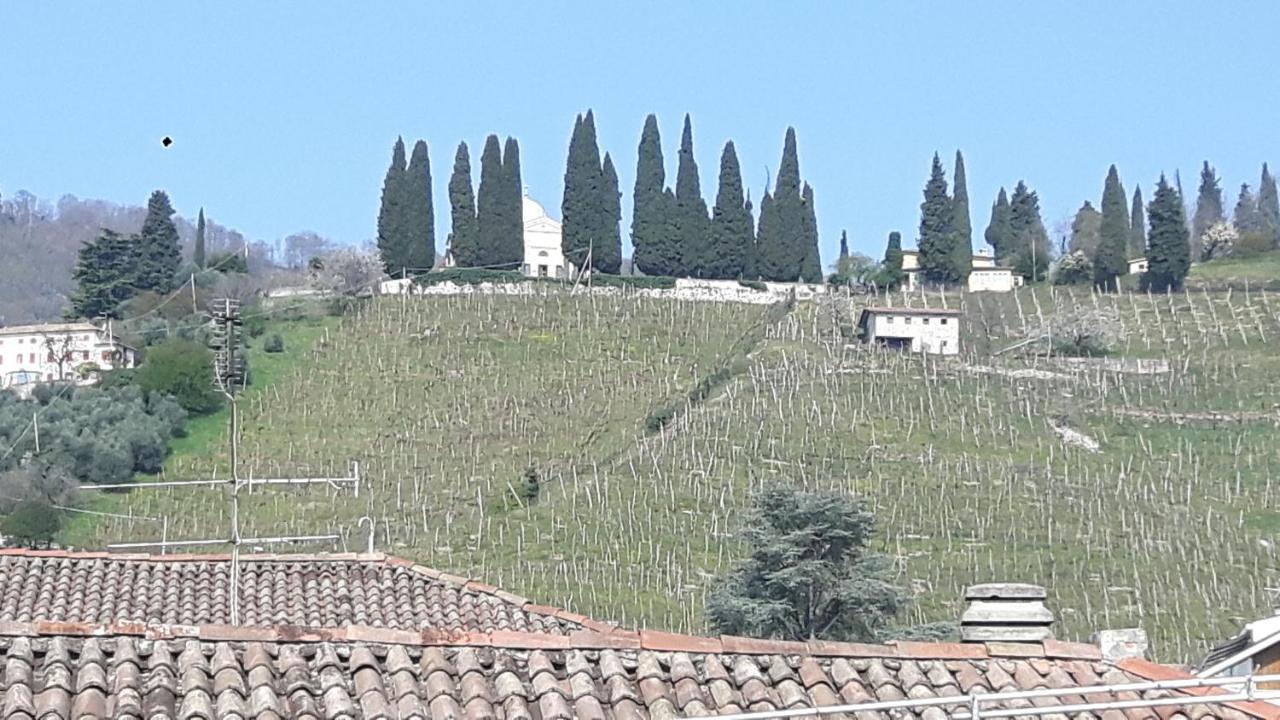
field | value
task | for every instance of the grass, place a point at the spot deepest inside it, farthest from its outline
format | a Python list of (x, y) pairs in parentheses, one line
[(1259, 270), (1170, 526)]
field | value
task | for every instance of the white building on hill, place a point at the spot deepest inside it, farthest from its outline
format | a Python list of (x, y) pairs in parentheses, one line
[(60, 351), (543, 254), (986, 275), (925, 330)]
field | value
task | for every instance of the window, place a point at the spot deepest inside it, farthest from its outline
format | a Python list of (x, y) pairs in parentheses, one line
[(888, 319), (925, 321), (31, 358), (542, 271), (542, 253), (944, 321), (106, 355), (944, 344), (908, 320), (84, 355)]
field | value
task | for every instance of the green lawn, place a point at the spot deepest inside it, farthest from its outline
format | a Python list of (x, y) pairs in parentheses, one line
[(1256, 270)]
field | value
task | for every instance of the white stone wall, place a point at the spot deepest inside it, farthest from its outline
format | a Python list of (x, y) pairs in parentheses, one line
[(938, 335), (686, 289)]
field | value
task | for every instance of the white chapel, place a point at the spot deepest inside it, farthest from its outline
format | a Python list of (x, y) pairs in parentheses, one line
[(543, 254)]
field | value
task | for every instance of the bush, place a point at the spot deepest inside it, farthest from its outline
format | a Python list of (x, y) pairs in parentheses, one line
[(273, 344), (1251, 244), (255, 325), (33, 523), (1074, 268), (184, 370), (638, 282), (757, 285), (469, 276), (530, 485)]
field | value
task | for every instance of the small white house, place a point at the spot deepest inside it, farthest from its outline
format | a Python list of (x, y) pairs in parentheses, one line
[(1137, 265), (60, 351), (985, 276), (925, 330)]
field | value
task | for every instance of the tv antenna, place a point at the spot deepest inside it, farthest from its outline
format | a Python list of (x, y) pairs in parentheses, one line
[(229, 376)]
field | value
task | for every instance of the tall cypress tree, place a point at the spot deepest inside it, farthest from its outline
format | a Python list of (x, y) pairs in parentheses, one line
[(655, 252), (1137, 226), (1269, 207), (936, 244), (1086, 230), (960, 225), (582, 210), (998, 233), (1168, 243), (1209, 209), (198, 255), (1246, 217), (891, 268), (391, 212), (810, 269), (782, 243), (691, 211), (844, 247), (766, 261), (607, 255), (490, 205), (730, 244), (1111, 261), (419, 213), (463, 240), (1028, 240), (511, 237), (158, 252)]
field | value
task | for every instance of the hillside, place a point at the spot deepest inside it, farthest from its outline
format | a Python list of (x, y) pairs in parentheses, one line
[(1169, 525)]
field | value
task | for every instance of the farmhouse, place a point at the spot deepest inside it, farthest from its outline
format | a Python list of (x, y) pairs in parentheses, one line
[(370, 636), (985, 276), (933, 331), (60, 351), (1137, 265)]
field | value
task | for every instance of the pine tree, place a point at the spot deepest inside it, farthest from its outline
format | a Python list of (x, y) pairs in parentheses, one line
[(1209, 210), (462, 203), (159, 254), (961, 228), (891, 269), (198, 255), (998, 233), (691, 219), (607, 255), (1137, 226), (1246, 217), (419, 212), (654, 250), (1111, 261), (391, 212), (1028, 241), (490, 224), (936, 244), (730, 235), (810, 262), (1269, 207), (1086, 230), (582, 209), (1168, 242), (104, 276), (511, 238)]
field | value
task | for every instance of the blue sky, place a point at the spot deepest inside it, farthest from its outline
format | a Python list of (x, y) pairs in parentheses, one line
[(284, 113)]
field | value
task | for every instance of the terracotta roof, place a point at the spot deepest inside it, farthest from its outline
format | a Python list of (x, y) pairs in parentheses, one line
[(65, 670), (309, 590)]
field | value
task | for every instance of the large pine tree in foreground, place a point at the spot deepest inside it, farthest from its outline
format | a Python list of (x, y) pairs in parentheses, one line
[(937, 242), (691, 220), (1111, 261), (463, 238), (655, 251), (158, 252), (731, 225), (1168, 242), (961, 228), (390, 240), (104, 276), (419, 253), (582, 209)]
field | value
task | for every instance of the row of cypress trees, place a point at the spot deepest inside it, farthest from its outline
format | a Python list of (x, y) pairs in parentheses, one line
[(112, 267), (406, 219), (946, 236), (1254, 215)]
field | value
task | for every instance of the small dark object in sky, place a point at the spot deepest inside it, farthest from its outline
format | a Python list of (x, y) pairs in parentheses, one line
[(167, 141)]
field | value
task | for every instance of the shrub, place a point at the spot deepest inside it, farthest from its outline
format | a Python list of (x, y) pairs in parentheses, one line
[(755, 285), (273, 344), (530, 485), (184, 370), (469, 276), (1251, 244), (1074, 268), (33, 523), (639, 282)]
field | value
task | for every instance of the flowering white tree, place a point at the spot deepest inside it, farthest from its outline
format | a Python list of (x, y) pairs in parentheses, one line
[(1218, 241)]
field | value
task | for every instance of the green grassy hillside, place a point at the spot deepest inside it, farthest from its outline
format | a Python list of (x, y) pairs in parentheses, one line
[(446, 401)]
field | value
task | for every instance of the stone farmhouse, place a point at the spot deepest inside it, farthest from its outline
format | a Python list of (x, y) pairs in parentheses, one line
[(986, 275), (349, 636), (923, 330), (60, 351)]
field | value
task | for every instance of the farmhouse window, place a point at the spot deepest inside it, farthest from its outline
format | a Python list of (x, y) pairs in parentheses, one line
[(889, 319), (944, 321), (106, 354), (925, 321), (908, 321)]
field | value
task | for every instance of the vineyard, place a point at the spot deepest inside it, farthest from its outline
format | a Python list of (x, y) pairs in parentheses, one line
[(1137, 487)]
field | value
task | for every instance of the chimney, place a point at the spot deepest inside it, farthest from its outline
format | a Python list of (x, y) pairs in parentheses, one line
[(1005, 612), (1116, 645)]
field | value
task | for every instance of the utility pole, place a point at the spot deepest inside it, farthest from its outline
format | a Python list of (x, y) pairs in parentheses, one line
[(35, 423)]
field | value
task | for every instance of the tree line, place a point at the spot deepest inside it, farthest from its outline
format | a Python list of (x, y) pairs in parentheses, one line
[(672, 231)]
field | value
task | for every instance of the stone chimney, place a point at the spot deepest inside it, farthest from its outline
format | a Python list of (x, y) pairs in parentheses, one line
[(1116, 645), (1005, 612)]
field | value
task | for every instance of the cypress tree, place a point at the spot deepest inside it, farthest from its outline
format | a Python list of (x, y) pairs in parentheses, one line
[(844, 247), (607, 255), (462, 204), (810, 269), (936, 244), (490, 224), (1137, 226), (104, 276), (749, 253), (691, 211), (1168, 243), (654, 250), (159, 254), (391, 212), (419, 213), (511, 236), (891, 276), (960, 225), (1269, 207), (766, 260), (730, 235), (1246, 217), (1209, 210), (581, 209), (998, 234), (1086, 230), (1028, 241), (198, 255), (1111, 261), (782, 243)]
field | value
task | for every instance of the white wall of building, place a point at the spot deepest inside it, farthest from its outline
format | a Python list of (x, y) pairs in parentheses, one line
[(935, 334), (543, 252), (28, 353), (993, 279)]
